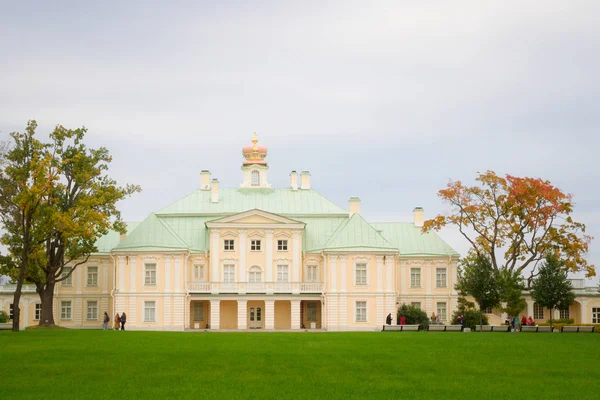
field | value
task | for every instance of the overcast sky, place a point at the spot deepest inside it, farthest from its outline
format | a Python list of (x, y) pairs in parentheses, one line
[(385, 100)]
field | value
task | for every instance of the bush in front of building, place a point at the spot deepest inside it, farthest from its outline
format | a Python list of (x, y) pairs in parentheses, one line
[(413, 315), (3, 317), (471, 318), (562, 321)]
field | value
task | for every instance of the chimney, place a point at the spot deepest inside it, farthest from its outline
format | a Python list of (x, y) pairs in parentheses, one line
[(214, 191), (205, 179), (354, 203), (419, 216), (305, 179), (294, 180)]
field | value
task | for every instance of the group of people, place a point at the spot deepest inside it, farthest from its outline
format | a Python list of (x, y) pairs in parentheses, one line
[(515, 324), (119, 322), (435, 319)]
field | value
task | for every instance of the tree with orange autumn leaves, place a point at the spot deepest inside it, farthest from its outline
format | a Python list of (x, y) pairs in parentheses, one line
[(515, 222)]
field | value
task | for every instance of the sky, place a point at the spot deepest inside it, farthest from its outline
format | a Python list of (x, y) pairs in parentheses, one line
[(385, 100)]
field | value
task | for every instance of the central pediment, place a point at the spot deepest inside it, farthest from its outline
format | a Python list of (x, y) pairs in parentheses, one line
[(256, 217)]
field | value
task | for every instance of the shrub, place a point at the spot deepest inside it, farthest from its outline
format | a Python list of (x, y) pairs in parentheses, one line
[(3, 316), (562, 321), (471, 318), (413, 316)]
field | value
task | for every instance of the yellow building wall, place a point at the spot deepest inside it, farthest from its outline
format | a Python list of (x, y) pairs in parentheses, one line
[(228, 314), (283, 314)]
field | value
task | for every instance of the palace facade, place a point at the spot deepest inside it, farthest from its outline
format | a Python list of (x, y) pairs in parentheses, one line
[(257, 257)]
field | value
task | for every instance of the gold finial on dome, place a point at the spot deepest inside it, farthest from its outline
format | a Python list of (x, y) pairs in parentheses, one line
[(254, 141), (254, 153)]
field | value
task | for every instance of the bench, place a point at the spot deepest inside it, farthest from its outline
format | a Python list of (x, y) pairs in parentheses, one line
[(399, 328), (6, 326), (577, 329), (537, 329), (445, 328), (492, 328)]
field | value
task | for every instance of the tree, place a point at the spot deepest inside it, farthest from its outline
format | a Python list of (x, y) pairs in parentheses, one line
[(470, 315), (523, 217), (82, 207), (551, 288), (512, 285), (478, 279), (25, 183), (413, 315)]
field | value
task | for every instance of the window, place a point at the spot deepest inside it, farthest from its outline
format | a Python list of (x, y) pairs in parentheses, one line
[(92, 276), (150, 274), (229, 245), (312, 273), (487, 310), (282, 245), (198, 272), (65, 310), (416, 304), (538, 311), (441, 311), (564, 314), (255, 178), (255, 245), (282, 273), (149, 311), (67, 281), (311, 311), (440, 277), (229, 273), (360, 274), (198, 312), (38, 312), (11, 311), (361, 311), (92, 310), (255, 275), (595, 315), (415, 277)]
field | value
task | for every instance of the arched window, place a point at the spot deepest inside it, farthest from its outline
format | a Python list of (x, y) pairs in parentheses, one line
[(255, 275), (255, 178)]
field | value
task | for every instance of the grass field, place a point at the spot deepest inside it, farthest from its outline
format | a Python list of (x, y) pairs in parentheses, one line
[(134, 365)]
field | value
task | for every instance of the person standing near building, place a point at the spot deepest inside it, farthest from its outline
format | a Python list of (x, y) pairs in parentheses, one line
[(117, 323), (105, 322), (123, 320)]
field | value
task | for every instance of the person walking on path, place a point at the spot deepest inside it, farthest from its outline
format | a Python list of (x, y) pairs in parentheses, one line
[(388, 320), (105, 322), (123, 320), (117, 323)]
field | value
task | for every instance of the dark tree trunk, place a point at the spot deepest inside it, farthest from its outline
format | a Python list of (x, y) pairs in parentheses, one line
[(17, 297), (46, 293)]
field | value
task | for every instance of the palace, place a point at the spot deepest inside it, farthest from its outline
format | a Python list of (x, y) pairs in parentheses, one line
[(257, 257)]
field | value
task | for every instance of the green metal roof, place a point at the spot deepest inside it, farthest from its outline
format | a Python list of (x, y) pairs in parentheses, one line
[(355, 232), (411, 241), (318, 230), (152, 233), (106, 243), (284, 201)]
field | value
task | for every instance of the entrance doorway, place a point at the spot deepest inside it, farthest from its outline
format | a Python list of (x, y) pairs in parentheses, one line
[(255, 317)]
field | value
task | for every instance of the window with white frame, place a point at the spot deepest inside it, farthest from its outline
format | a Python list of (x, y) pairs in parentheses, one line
[(282, 245), (416, 304), (440, 277), (149, 274), (199, 272), (149, 311), (92, 310), (11, 311), (283, 273), (360, 274), (229, 273), (65, 310), (255, 178), (564, 314), (361, 311), (487, 310), (255, 274), (229, 245), (67, 281), (538, 311), (255, 245), (311, 311), (38, 311), (415, 277), (595, 315), (198, 311), (441, 310), (92, 276), (313, 273)]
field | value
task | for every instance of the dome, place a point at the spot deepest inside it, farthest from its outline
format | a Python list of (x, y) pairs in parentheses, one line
[(254, 154)]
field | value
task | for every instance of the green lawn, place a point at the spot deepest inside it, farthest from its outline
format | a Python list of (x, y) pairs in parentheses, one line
[(98, 364)]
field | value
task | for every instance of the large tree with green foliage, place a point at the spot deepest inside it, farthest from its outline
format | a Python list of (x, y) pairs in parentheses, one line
[(551, 288)]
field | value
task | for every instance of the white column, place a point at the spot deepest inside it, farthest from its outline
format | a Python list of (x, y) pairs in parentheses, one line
[(333, 269), (584, 312), (390, 307), (215, 314), (81, 271), (343, 272), (295, 317), (168, 310), (404, 277), (323, 314), (168, 287), (242, 314), (243, 267), (296, 255), (379, 260), (132, 313), (121, 273), (389, 273), (178, 263), (530, 307), (379, 311), (343, 318), (132, 273), (269, 255), (25, 318), (105, 276), (270, 314)]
